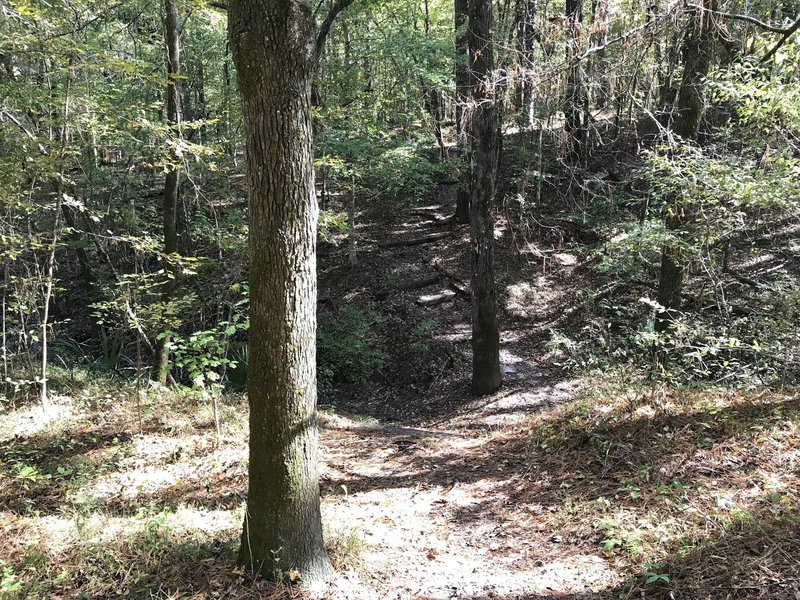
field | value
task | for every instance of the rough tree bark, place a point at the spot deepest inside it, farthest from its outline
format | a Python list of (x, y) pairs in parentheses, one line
[(575, 98), (461, 8), (483, 133), (525, 39), (273, 47), (171, 181), (697, 51)]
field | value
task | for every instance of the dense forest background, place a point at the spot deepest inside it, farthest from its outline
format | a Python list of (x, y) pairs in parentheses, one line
[(647, 251)]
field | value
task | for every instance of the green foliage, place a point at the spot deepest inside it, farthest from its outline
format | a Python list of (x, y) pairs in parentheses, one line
[(765, 97), (348, 348), (387, 168), (10, 584), (204, 354), (654, 575)]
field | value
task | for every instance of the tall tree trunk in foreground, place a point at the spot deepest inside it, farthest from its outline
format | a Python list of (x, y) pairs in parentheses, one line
[(461, 8), (483, 158), (171, 182), (273, 49), (698, 49)]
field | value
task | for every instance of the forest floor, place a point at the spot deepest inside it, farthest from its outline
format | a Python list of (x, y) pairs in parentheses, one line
[(553, 487)]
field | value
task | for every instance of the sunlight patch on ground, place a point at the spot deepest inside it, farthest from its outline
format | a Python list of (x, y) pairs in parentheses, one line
[(32, 419), (170, 468), (453, 539), (61, 534)]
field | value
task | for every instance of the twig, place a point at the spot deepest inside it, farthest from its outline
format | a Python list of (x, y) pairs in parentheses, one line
[(787, 34), (739, 17)]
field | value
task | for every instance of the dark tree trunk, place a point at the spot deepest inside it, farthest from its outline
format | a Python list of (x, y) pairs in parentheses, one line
[(273, 50), (171, 182), (432, 100), (697, 51), (670, 281), (462, 94), (698, 48), (83, 258), (599, 62), (525, 38), (484, 135), (576, 121), (202, 109)]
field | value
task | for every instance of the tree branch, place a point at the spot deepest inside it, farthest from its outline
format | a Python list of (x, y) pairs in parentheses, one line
[(325, 27), (7, 115), (746, 18), (787, 34)]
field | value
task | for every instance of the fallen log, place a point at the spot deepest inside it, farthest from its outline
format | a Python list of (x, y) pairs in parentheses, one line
[(443, 221), (435, 299), (425, 239), (425, 211), (459, 289), (424, 282)]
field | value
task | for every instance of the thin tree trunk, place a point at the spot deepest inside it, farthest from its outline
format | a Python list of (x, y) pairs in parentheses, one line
[(5, 332), (171, 184), (524, 14), (273, 49), (483, 132), (576, 121), (462, 94), (51, 259), (48, 294), (698, 49), (351, 227), (599, 66), (202, 109)]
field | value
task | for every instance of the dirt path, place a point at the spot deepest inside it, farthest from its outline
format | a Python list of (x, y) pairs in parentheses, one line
[(443, 516), (440, 497)]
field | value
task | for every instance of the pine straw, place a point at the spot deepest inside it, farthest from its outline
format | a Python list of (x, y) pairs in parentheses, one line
[(698, 486)]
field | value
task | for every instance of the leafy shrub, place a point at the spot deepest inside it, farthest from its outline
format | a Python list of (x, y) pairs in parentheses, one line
[(348, 350), (389, 169)]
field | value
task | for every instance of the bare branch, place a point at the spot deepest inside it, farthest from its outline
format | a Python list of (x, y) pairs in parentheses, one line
[(746, 18), (325, 27), (792, 28), (4, 114)]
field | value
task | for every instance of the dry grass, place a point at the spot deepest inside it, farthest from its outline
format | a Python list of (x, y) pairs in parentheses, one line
[(693, 493), (653, 492)]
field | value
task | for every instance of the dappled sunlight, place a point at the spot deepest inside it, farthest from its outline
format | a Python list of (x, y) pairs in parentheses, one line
[(31, 419), (570, 488)]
